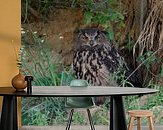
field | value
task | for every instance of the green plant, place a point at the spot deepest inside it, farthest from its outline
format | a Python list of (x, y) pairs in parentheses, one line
[(101, 116), (156, 99), (149, 59), (152, 102), (120, 75), (39, 60), (38, 118), (78, 118), (52, 108), (161, 71), (106, 13), (37, 9), (42, 9)]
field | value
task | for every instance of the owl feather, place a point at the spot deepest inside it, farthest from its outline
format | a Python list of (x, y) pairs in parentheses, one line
[(96, 59)]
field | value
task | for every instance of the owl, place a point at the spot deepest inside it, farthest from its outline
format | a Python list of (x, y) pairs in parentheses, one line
[(95, 59)]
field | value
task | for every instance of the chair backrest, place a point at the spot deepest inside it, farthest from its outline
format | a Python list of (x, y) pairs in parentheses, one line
[(79, 102), (79, 83)]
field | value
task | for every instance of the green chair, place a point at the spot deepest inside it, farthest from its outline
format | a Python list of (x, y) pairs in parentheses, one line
[(79, 102)]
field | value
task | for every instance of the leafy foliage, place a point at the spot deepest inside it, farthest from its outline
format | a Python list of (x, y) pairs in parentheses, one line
[(101, 116), (105, 13), (152, 102), (149, 59), (78, 118), (38, 59), (149, 45), (43, 111), (41, 9)]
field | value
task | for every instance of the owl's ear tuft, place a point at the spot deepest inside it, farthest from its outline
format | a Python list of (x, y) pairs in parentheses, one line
[(76, 31), (105, 32), (79, 31)]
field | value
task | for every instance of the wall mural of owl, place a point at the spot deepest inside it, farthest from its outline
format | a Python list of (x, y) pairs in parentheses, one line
[(96, 59)]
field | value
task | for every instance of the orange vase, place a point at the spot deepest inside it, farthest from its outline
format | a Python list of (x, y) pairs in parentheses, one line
[(19, 83)]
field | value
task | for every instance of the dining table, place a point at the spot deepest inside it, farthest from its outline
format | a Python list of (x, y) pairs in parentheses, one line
[(117, 113)]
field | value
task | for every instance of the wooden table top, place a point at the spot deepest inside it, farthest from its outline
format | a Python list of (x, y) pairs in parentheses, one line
[(66, 91)]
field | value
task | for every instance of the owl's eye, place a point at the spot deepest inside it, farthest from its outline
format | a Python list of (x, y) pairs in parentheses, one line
[(83, 37), (98, 37)]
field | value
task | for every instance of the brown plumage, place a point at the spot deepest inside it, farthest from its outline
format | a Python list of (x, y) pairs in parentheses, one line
[(95, 59)]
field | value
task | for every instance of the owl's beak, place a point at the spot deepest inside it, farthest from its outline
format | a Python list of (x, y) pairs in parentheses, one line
[(91, 42)]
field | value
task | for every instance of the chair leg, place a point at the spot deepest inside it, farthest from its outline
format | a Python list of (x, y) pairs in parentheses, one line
[(90, 120), (70, 119), (131, 123), (151, 123), (138, 123)]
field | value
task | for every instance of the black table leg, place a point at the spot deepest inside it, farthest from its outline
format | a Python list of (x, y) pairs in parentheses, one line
[(9, 113), (117, 114)]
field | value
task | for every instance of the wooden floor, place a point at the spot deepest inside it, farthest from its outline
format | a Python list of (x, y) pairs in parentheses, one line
[(77, 127)]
